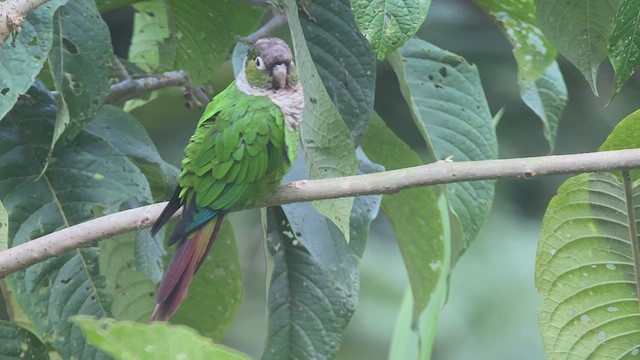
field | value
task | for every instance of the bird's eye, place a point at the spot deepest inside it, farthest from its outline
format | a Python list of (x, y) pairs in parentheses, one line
[(259, 63)]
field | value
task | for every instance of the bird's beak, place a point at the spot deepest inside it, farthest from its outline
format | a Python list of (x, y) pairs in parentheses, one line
[(279, 74)]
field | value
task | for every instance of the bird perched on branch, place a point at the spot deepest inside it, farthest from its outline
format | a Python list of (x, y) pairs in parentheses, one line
[(245, 142)]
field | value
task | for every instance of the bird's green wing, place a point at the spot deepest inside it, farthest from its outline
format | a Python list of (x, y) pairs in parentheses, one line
[(238, 153)]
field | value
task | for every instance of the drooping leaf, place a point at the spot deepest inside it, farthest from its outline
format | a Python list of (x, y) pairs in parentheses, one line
[(126, 340), (626, 135), (205, 33), (413, 336), (547, 97), (413, 214), (18, 343), (329, 150), (586, 267), (132, 293), (313, 288), (81, 61), (216, 291), (624, 43), (152, 44), (388, 24), (580, 31), (517, 19), (448, 105), (85, 178), (22, 63), (344, 60)]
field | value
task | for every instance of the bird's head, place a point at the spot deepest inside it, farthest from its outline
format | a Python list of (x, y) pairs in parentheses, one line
[(269, 65)]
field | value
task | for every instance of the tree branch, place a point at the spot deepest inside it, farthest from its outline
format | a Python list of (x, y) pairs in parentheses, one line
[(12, 14), (131, 88), (441, 172)]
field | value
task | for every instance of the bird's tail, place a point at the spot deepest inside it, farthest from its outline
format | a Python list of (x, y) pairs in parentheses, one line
[(189, 255)]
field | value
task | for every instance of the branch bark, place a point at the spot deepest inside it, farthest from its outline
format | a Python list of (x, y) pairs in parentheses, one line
[(12, 14), (441, 172)]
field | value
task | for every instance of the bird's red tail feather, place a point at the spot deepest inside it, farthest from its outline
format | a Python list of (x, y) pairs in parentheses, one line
[(189, 255)]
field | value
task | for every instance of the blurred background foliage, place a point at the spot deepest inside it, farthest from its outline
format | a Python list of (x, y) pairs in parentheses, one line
[(492, 289)]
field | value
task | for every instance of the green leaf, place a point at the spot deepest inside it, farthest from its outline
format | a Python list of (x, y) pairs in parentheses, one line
[(88, 177), (413, 337), (626, 135), (587, 269), (624, 43), (130, 340), (4, 228), (130, 291), (22, 63), (580, 31), (547, 97), (313, 287), (205, 32), (448, 105), (344, 60), (81, 61), (517, 19), (329, 150), (388, 24), (413, 214), (18, 343), (127, 135), (108, 5), (152, 46), (216, 291)]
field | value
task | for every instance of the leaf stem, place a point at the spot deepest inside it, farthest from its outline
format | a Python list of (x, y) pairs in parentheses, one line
[(441, 172)]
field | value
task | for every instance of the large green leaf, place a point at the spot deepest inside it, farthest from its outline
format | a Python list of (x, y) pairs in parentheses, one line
[(388, 24), (449, 107), (328, 148), (131, 292), (413, 336), (517, 19), (204, 32), (128, 340), (81, 61), (547, 97), (580, 31), (21, 64), (587, 269), (88, 177), (152, 46), (126, 133), (313, 287), (344, 60), (216, 291), (18, 343), (624, 43), (413, 214)]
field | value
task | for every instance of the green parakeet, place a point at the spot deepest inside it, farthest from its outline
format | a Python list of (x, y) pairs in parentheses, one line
[(244, 143)]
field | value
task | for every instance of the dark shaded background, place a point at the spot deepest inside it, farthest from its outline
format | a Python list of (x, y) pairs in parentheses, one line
[(492, 308)]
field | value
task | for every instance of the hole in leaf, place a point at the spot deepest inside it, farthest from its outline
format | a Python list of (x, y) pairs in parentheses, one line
[(69, 46), (4, 91), (151, 14), (33, 41), (443, 71)]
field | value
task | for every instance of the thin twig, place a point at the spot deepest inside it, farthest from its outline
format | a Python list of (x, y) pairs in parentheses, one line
[(442, 172), (132, 88)]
